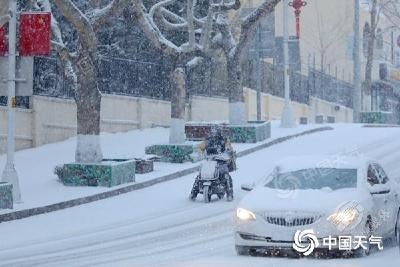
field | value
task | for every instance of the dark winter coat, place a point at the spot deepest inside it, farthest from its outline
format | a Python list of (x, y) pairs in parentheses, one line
[(215, 144)]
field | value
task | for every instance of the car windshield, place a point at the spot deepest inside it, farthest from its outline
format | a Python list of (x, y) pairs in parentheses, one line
[(316, 178)]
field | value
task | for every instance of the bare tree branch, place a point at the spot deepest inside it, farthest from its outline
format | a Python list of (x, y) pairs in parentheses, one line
[(58, 44), (103, 16), (152, 33), (223, 6), (80, 23), (250, 22)]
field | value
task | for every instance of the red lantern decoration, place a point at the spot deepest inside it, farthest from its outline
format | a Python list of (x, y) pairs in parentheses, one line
[(297, 5), (3, 41), (35, 29)]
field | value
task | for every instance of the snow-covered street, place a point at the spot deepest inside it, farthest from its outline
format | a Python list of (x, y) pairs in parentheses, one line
[(159, 226), (40, 186), (200, 133)]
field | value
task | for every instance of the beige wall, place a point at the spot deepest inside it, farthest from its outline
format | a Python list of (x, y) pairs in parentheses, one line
[(23, 128), (53, 119), (322, 107), (272, 107), (206, 109)]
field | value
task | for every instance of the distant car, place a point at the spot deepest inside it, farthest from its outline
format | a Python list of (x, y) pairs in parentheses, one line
[(353, 197)]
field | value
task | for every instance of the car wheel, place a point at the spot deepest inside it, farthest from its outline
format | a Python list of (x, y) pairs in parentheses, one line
[(242, 251), (397, 229), (363, 252)]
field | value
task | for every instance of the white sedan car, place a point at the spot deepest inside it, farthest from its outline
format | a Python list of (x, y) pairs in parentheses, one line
[(310, 205)]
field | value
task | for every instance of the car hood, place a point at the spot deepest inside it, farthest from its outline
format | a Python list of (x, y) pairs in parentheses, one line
[(323, 200)]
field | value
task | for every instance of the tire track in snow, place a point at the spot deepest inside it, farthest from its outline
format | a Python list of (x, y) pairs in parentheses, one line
[(142, 245)]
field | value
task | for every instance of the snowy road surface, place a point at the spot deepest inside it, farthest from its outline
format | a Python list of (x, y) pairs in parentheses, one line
[(158, 226), (40, 186)]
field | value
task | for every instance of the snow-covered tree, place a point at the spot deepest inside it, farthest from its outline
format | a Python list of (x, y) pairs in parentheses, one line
[(377, 8), (163, 22), (205, 35), (234, 47), (4, 16), (81, 67)]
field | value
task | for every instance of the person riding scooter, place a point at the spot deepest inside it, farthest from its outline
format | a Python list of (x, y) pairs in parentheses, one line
[(214, 145)]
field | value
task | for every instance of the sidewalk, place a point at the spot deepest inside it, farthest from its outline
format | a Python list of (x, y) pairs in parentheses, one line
[(54, 196)]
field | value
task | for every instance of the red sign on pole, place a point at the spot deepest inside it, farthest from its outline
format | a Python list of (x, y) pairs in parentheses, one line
[(3, 41), (35, 29)]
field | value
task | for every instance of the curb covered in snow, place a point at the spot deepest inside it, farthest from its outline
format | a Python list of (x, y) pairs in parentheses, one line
[(381, 126), (21, 214)]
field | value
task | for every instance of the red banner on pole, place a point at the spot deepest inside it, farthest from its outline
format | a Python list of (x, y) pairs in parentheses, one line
[(3, 41), (35, 29)]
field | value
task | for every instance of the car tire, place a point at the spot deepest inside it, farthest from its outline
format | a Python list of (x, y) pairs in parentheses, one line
[(242, 250), (397, 229), (361, 252), (229, 188)]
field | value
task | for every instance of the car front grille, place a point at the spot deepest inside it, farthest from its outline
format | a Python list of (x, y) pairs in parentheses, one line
[(291, 220)]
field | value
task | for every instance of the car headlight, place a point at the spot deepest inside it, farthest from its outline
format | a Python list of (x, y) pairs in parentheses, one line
[(344, 217), (245, 215)]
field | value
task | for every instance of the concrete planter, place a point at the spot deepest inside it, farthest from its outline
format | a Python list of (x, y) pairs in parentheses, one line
[(144, 166), (378, 117), (108, 173), (6, 197), (253, 132)]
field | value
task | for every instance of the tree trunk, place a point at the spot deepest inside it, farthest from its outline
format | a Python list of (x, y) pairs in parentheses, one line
[(237, 108), (88, 101), (178, 101), (370, 58)]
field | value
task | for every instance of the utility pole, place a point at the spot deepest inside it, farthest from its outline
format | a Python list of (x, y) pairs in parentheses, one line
[(10, 174), (257, 59), (287, 120), (356, 64)]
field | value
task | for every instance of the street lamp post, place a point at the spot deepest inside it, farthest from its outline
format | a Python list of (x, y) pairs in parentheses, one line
[(10, 174), (257, 59), (356, 64), (288, 119)]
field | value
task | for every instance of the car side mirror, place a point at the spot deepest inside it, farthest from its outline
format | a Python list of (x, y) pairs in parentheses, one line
[(247, 187)]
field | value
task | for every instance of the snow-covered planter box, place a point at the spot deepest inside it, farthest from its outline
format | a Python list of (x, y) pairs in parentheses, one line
[(107, 173), (200, 130), (378, 117), (172, 153), (144, 166), (6, 197), (252, 132)]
